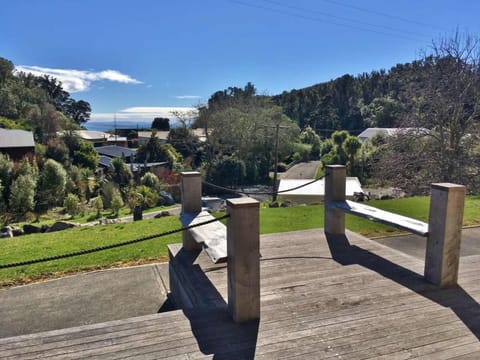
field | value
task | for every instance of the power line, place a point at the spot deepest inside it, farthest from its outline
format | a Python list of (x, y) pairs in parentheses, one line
[(316, 19), (390, 16), (342, 18)]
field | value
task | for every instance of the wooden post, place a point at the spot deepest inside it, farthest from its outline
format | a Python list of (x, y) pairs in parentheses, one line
[(335, 179), (191, 192), (445, 233), (243, 264)]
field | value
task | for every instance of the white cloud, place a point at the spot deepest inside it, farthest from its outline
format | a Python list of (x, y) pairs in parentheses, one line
[(78, 80), (188, 97), (144, 112)]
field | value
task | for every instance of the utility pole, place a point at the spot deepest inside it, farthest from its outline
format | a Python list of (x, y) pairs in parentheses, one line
[(277, 130)]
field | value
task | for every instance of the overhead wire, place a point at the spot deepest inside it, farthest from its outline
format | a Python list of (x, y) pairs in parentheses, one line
[(316, 19)]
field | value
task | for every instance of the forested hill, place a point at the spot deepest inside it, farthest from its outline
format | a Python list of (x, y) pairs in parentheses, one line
[(377, 99), (37, 103)]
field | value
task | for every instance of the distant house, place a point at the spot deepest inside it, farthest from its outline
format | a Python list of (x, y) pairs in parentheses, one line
[(100, 138), (144, 136), (114, 151), (110, 152), (17, 143), (371, 132), (313, 193)]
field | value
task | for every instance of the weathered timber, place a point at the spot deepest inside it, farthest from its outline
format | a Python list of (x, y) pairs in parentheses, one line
[(212, 236), (385, 217), (361, 300)]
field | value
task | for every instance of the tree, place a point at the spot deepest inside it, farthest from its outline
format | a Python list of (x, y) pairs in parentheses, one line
[(444, 119), (154, 150), (228, 172), (52, 181), (151, 180), (351, 145), (161, 124), (22, 197), (242, 125), (120, 173), (6, 168), (79, 111), (117, 203), (71, 204), (98, 205), (183, 141)]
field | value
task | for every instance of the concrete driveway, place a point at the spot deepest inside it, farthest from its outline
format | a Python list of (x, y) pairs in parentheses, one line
[(83, 299), (415, 245), (303, 170)]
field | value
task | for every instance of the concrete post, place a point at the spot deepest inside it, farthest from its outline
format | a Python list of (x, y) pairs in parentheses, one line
[(191, 192), (445, 232), (335, 179), (243, 265)]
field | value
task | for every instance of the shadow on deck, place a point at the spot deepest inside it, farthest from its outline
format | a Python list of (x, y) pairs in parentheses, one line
[(455, 298)]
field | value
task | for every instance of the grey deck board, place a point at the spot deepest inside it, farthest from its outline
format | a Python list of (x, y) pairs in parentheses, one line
[(320, 298)]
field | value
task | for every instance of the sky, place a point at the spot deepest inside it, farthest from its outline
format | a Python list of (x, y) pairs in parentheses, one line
[(148, 58)]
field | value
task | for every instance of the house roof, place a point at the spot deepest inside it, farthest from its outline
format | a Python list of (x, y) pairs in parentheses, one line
[(316, 188), (91, 135), (162, 135), (104, 161), (115, 151), (13, 138), (371, 132)]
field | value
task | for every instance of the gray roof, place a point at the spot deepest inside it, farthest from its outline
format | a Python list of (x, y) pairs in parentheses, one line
[(115, 151), (16, 138), (104, 161)]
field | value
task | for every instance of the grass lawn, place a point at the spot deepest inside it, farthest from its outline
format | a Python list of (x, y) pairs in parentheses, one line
[(272, 220)]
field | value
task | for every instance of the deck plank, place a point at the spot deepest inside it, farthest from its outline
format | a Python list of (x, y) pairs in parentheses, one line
[(320, 298)]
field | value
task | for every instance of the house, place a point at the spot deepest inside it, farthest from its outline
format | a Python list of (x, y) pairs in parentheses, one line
[(115, 151), (144, 136), (109, 152), (313, 193), (17, 143), (100, 138), (371, 132)]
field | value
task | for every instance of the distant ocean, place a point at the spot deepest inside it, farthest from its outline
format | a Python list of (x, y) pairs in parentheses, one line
[(123, 124)]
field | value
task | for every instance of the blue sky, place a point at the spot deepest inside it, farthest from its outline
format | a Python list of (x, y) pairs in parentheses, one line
[(144, 58)]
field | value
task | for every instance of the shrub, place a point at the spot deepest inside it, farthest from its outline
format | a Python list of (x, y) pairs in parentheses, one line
[(71, 204)]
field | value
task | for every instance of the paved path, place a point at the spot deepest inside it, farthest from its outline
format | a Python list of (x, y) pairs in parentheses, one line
[(83, 299), (304, 170)]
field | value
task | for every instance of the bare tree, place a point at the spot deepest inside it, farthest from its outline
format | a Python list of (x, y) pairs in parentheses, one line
[(444, 119)]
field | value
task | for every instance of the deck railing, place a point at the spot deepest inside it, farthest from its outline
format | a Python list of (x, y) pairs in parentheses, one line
[(443, 231), (240, 241)]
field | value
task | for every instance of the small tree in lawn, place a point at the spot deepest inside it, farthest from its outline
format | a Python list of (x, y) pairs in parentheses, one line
[(71, 204), (117, 203), (98, 205), (22, 196)]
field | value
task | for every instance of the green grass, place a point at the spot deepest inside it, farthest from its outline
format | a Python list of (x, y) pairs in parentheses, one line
[(272, 220), (42, 245)]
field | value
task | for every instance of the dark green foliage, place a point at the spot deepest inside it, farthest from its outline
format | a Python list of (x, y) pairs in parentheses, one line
[(161, 124), (51, 184), (184, 141), (120, 173), (228, 172), (38, 102)]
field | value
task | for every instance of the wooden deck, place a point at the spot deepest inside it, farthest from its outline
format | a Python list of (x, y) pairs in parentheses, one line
[(347, 298)]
